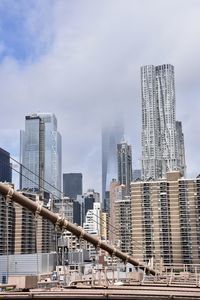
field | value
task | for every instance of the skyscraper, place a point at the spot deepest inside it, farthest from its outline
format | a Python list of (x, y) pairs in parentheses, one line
[(124, 163), (166, 219), (120, 224), (7, 225), (40, 153), (72, 184), (111, 135), (180, 147), (5, 166), (32, 234), (159, 147)]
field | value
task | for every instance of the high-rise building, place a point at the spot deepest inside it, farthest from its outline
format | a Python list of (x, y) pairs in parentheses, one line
[(65, 208), (123, 224), (166, 219), (40, 154), (22, 232), (33, 233), (5, 166), (95, 224), (86, 202), (159, 147), (71, 209), (115, 193), (180, 147), (7, 211), (111, 136), (92, 219), (72, 185), (7, 225), (120, 224), (124, 163)]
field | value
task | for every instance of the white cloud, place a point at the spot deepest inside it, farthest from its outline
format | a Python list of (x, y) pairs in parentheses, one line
[(87, 68)]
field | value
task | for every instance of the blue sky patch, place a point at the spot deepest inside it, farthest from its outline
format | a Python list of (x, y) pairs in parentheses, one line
[(22, 29)]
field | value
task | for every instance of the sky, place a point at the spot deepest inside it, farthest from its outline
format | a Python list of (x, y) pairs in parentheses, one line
[(81, 59)]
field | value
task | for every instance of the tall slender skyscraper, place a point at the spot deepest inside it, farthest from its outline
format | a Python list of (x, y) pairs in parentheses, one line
[(159, 147), (40, 153), (112, 134), (124, 162)]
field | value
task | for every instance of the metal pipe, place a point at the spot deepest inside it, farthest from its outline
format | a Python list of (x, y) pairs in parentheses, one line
[(78, 231)]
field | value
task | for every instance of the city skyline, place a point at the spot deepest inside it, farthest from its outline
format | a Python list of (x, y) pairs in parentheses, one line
[(82, 62)]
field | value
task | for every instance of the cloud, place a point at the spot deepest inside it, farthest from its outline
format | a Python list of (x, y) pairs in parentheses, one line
[(81, 60)]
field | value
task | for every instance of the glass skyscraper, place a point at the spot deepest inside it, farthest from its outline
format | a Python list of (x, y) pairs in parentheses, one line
[(5, 166), (40, 154)]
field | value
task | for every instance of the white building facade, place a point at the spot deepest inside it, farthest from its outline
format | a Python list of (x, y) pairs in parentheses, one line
[(160, 153)]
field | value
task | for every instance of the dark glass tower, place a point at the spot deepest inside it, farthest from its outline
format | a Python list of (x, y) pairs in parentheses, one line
[(5, 166), (72, 185)]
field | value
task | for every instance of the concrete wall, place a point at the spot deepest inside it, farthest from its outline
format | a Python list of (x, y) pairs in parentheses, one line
[(26, 264)]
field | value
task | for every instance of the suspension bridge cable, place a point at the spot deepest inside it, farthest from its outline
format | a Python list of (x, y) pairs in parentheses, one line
[(36, 183), (45, 189), (39, 177)]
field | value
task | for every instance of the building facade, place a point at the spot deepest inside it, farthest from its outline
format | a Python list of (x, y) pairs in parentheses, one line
[(120, 224), (7, 226), (5, 166), (40, 154), (180, 147), (33, 234), (18, 265), (65, 208), (166, 220), (124, 165), (22, 232), (160, 153), (95, 224), (72, 185), (86, 202), (123, 224)]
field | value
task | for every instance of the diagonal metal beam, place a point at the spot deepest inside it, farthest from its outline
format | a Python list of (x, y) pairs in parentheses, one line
[(78, 231)]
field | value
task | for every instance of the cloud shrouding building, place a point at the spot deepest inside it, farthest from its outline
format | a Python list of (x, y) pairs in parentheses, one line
[(111, 136)]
